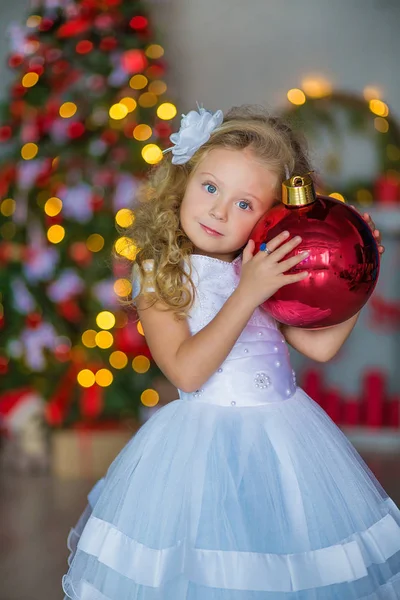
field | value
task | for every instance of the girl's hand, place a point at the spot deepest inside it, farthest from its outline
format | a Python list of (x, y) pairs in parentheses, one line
[(375, 232), (263, 274)]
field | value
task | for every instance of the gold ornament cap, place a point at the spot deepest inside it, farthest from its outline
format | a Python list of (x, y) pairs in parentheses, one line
[(298, 190)]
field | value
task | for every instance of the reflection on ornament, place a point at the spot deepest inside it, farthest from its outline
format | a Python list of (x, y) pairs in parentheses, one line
[(343, 261)]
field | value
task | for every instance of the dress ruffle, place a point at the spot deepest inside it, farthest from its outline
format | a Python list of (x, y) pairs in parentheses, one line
[(259, 503)]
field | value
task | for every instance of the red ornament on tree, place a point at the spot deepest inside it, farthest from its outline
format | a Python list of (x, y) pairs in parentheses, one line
[(134, 61), (343, 261), (74, 27), (33, 320), (108, 44), (138, 22), (5, 133)]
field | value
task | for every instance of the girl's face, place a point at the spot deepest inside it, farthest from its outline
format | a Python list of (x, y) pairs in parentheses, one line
[(226, 195)]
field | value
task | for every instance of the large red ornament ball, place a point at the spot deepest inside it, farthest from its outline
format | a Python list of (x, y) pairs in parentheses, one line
[(343, 263)]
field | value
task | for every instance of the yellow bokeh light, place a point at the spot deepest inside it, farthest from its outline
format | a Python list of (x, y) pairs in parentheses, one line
[(104, 377), (337, 196), (141, 364), (104, 339), (371, 93), (33, 21), (147, 100), (30, 79), (86, 378), (316, 87), (150, 398), (124, 217), (152, 154), (154, 51), (95, 242), (130, 103), (296, 96), (393, 152), (55, 234), (378, 108), (89, 338), (67, 110), (158, 87), (55, 161), (105, 320), (166, 111), (381, 125), (118, 111), (29, 151), (142, 133), (138, 82), (118, 359), (124, 246), (122, 287), (53, 206), (7, 207), (364, 196), (139, 327)]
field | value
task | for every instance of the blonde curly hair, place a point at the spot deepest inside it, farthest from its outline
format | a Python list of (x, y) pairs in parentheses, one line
[(156, 230)]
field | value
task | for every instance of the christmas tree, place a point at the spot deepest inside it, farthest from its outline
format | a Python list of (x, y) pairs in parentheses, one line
[(86, 116)]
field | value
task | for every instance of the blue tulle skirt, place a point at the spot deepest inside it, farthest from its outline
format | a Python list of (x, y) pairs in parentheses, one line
[(209, 502)]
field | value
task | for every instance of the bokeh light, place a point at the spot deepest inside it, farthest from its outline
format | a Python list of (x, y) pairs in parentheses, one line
[(142, 133), (95, 242), (86, 378), (154, 51), (118, 111), (122, 287), (55, 234), (29, 151), (104, 377), (152, 154), (105, 320), (150, 398), (124, 217), (381, 125), (166, 111), (147, 100), (7, 207), (129, 102), (124, 246), (138, 82), (53, 206), (379, 108), (30, 79), (89, 338), (118, 359), (141, 364), (104, 339), (67, 110), (296, 96)]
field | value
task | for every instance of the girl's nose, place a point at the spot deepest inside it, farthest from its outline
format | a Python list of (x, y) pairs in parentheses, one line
[(219, 212)]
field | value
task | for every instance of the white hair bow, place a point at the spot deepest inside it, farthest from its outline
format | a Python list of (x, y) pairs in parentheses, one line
[(195, 130)]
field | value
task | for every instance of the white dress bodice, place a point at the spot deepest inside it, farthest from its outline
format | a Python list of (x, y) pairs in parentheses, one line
[(257, 370)]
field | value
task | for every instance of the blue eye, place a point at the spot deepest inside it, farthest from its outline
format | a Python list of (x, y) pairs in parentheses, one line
[(247, 204), (211, 189)]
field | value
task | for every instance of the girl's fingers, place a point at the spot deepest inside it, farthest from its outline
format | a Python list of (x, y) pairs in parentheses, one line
[(287, 264), (273, 244), (294, 278), (281, 252)]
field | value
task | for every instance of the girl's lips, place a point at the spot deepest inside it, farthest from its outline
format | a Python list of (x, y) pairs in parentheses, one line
[(210, 231)]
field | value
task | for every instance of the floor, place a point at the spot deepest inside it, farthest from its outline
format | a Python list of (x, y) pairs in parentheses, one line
[(36, 513)]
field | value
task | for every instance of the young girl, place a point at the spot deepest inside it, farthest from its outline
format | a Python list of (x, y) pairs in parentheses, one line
[(243, 488)]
